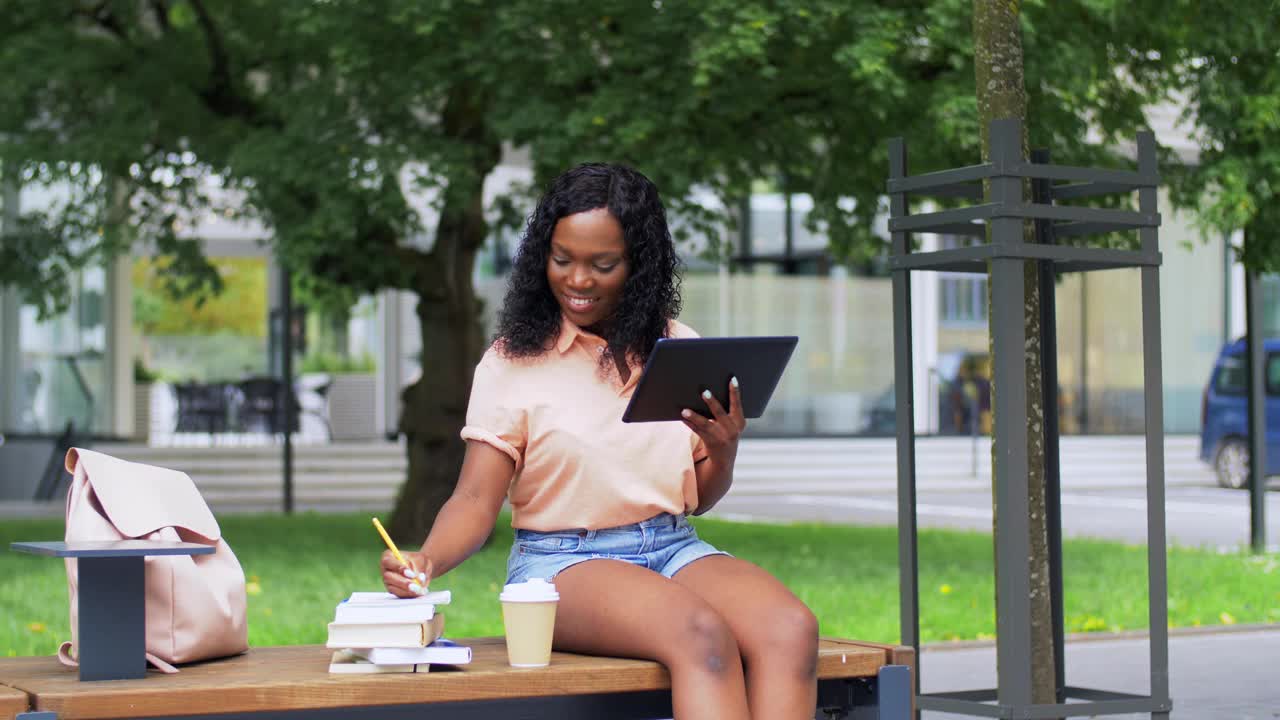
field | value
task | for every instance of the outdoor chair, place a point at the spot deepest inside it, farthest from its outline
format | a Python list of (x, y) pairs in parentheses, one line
[(258, 408), (202, 407)]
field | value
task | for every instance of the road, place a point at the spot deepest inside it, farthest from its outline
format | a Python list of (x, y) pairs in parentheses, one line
[(1103, 488)]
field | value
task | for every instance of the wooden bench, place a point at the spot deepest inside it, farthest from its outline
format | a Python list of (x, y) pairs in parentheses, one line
[(863, 681), (13, 702)]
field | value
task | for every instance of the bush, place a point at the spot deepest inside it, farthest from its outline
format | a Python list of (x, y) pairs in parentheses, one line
[(142, 374), (333, 363)]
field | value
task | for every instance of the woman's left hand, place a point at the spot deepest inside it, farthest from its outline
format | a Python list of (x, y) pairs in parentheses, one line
[(720, 433)]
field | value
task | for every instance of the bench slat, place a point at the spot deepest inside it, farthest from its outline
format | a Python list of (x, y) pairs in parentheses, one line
[(12, 702), (894, 654), (297, 678)]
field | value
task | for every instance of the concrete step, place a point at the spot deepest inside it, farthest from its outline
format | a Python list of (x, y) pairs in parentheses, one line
[(238, 452), (345, 474), (309, 466), (300, 480), (273, 493)]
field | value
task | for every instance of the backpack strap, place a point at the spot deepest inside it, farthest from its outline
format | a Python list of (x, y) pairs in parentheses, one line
[(65, 657)]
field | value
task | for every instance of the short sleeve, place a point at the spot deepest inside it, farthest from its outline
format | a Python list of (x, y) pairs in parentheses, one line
[(493, 416)]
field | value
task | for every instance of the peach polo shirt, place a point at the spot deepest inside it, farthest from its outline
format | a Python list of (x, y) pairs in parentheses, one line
[(559, 417)]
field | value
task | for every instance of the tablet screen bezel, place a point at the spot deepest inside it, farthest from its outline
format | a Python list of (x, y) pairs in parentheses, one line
[(680, 368)]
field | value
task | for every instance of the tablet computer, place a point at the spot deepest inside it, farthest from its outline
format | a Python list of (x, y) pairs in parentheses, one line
[(679, 369)]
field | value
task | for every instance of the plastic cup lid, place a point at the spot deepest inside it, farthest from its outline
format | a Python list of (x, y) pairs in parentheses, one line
[(531, 590)]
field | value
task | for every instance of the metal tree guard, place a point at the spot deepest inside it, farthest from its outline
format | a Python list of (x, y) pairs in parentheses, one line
[(1006, 252)]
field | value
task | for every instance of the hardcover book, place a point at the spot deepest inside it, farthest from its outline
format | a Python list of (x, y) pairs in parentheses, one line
[(385, 634)]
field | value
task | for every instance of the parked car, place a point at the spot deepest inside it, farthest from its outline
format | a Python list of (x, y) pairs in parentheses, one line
[(1224, 423)]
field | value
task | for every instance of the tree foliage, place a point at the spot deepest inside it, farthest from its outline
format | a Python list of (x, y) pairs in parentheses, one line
[(1224, 60), (319, 117), (334, 124)]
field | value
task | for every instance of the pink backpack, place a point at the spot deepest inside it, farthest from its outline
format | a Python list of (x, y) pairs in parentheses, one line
[(195, 604)]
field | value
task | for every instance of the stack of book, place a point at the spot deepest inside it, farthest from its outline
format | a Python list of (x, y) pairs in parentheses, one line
[(377, 632)]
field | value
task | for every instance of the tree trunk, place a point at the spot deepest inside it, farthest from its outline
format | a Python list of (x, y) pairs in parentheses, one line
[(435, 405), (1001, 93)]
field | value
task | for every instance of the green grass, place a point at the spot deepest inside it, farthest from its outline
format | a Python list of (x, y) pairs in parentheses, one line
[(299, 567)]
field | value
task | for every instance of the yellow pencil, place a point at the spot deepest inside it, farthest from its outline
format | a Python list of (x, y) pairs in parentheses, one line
[(394, 550)]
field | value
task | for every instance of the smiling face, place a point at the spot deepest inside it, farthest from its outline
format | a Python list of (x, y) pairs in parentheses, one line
[(587, 266)]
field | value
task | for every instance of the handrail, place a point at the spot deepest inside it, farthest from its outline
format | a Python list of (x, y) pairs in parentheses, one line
[(54, 473), (73, 362)]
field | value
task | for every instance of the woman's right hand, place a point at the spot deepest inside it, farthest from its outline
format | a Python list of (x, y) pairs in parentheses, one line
[(405, 582)]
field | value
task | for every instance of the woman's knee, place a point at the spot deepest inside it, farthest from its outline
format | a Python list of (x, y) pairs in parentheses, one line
[(704, 642), (790, 637)]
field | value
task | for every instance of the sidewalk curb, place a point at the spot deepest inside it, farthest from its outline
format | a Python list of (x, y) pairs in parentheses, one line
[(948, 645)]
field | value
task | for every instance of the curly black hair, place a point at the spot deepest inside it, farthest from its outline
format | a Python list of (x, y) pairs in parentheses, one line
[(529, 322)]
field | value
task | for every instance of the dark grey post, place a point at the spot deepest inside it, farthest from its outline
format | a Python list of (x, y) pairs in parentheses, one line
[(112, 619), (1083, 400), (893, 685), (1153, 382), (904, 408), (1008, 330), (1040, 193), (788, 230), (1254, 348), (285, 408)]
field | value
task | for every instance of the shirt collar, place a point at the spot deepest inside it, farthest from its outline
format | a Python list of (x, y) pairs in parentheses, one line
[(570, 332)]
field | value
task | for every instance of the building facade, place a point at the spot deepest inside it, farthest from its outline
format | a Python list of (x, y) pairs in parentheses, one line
[(83, 365)]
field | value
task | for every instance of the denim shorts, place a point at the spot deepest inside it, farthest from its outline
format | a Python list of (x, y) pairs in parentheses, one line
[(663, 543)]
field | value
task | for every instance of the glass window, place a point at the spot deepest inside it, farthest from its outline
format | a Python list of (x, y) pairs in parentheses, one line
[(1232, 380), (62, 372), (964, 299), (1269, 285), (222, 338), (963, 296)]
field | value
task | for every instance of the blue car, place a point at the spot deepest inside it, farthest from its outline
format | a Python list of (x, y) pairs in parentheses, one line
[(1224, 424)]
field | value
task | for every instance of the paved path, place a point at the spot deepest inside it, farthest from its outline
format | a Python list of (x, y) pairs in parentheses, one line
[(845, 480), (1103, 482), (1212, 676)]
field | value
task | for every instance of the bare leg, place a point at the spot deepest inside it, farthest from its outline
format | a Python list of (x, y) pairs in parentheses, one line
[(777, 633), (609, 607)]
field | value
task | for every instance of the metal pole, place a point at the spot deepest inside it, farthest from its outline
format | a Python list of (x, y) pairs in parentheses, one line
[(1153, 378), (974, 408), (788, 232), (1228, 261), (284, 405), (1257, 412), (10, 194), (1040, 193), (745, 250), (1083, 412), (1008, 331), (908, 568)]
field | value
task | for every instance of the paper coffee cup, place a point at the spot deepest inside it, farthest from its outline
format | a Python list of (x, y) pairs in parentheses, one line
[(529, 618)]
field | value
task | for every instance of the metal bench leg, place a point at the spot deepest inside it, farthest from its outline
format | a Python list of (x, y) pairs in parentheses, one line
[(893, 692), (888, 696), (112, 627)]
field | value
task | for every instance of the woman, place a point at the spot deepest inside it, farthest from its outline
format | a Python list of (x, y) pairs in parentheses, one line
[(600, 505)]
